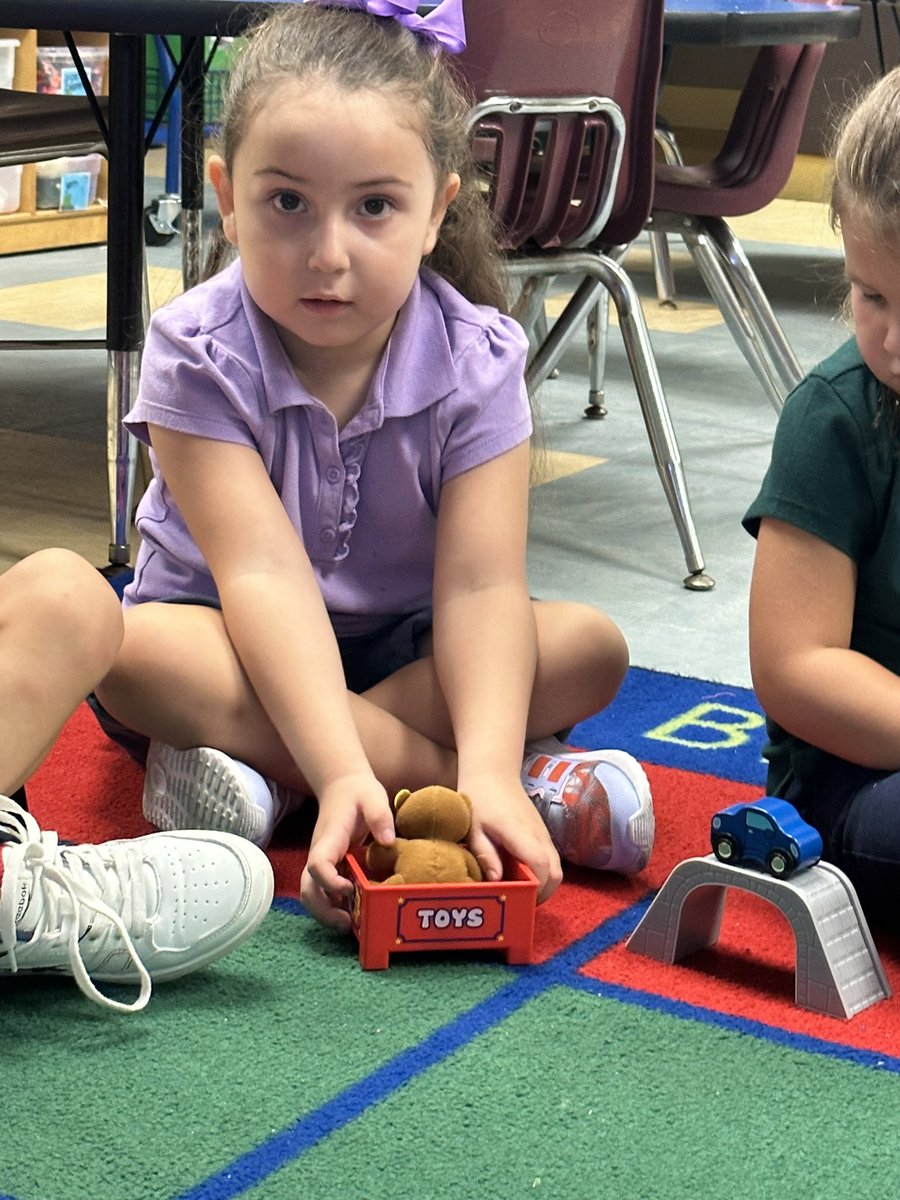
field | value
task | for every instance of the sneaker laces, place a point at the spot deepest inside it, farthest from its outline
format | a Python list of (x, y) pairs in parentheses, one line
[(71, 883)]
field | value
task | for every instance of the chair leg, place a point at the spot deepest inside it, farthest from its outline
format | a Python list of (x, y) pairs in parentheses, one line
[(597, 339), (739, 320), (663, 274), (528, 309), (121, 449), (600, 271), (749, 289)]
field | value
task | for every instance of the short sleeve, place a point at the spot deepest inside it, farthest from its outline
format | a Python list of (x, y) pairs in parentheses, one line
[(191, 385), (490, 412), (823, 473)]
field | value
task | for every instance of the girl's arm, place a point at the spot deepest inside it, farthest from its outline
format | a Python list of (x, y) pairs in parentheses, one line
[(277, 621), (807, 678), (485, 649)]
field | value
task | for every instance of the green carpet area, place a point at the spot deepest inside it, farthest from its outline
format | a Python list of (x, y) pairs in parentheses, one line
[(285, 1072), (134, 1108), (613, 1101)]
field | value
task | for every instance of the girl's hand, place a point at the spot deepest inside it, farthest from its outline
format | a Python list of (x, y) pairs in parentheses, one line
[(350, 808), (504, 818)]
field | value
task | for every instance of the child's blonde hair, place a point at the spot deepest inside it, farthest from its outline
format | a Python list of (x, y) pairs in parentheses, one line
[(866, 162), (353, 51)]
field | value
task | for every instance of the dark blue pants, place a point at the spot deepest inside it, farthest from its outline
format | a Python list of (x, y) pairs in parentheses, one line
[(857, 812)]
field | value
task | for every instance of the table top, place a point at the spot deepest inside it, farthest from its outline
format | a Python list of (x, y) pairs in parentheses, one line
[(758, 22), (712, 22)]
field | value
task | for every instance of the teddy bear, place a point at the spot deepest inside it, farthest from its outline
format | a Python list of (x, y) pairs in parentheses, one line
[(431, 823)]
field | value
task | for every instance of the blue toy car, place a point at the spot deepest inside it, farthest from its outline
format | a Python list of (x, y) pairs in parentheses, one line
[(769, 834)]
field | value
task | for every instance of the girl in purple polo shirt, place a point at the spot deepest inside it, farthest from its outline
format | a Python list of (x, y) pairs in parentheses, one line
[(330, 597)]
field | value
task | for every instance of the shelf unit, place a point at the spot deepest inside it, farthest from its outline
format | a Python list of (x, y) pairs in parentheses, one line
[(31, 228)]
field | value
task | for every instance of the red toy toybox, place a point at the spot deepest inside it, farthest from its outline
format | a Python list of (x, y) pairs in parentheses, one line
[(394, 919)]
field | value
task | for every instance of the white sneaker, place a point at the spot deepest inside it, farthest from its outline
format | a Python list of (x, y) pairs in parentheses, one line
[(596, 805), (203, 788), (129, 911)]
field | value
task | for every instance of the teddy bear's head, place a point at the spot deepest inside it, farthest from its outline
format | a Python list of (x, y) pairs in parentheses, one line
[(431, 826), (432, 812)]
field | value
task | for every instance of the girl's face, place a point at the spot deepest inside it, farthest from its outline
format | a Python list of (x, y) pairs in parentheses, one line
[(332, 202), (873, 271)]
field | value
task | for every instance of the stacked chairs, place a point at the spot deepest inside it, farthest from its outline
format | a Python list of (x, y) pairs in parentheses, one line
[(563, 127)]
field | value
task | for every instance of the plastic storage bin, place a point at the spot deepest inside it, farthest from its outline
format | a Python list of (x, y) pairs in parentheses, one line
[(7, 61), (67, 184), (10, 188), (56, 70)]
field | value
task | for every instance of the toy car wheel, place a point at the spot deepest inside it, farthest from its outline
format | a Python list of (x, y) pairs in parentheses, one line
[(779, 864), (725, 848)]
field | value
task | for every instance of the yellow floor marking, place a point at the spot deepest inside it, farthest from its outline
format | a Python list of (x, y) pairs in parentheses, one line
[(550, 465), (77, 304)]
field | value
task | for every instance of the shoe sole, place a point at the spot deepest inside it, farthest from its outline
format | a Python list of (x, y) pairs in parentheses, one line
[(200, 789), (641, 824)]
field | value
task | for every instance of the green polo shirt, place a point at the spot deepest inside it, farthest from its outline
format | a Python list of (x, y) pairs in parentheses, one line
[(834, 473)]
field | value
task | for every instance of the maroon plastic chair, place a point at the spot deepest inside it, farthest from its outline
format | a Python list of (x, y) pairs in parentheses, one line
[(748, 172), (563, 127)]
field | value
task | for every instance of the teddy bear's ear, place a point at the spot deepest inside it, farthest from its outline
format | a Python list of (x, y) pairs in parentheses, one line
[(402, 795)]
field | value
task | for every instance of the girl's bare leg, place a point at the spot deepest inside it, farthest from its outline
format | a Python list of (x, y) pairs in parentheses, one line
[(178, 680), (60, 630)]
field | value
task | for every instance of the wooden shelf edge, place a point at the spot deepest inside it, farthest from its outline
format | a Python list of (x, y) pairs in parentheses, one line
[(51, 230)]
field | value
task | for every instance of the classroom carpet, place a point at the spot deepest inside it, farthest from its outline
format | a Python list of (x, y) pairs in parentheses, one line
[(286, 1072)]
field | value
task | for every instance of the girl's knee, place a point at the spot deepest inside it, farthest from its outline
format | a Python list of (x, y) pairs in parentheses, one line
[(598, 641), (583, 647), (60, 596)]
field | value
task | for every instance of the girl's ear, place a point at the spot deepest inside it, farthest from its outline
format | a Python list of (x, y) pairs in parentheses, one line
[(442, 201), (221, 182)]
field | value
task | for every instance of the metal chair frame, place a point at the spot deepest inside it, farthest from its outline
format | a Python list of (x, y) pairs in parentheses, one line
[(539, 248)]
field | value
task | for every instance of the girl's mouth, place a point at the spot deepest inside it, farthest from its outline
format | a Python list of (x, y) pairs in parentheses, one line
[(324, 305)]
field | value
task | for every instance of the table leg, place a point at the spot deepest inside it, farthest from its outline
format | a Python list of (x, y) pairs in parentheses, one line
[(192, 160), (125, 275)]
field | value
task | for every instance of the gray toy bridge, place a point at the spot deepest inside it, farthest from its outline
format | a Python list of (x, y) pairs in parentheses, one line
[(838, 971)]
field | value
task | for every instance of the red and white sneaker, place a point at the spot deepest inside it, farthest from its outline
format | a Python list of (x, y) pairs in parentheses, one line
[(596, 804)]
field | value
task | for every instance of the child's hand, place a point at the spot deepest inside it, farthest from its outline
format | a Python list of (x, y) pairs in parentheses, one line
[(504, 817), (350, 808)]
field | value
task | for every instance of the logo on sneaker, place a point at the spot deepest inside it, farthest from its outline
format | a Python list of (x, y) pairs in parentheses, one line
[(24, 897)]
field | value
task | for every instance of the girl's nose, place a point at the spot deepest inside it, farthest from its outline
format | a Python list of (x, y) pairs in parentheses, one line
[(892, 340), (329, 248)]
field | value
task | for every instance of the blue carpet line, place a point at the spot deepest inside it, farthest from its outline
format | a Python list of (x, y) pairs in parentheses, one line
[(253, 1167), (530, 981), (561, 970), (680, 1009), (285, 904)]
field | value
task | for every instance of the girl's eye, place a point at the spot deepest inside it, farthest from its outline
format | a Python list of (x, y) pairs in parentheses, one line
[(287, 202), (376, 206)]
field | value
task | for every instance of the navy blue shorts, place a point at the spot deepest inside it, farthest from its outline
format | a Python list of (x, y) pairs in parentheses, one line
[(857, 812), (367, 660)]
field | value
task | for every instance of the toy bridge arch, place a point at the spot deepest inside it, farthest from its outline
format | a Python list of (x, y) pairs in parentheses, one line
[(838, 971)]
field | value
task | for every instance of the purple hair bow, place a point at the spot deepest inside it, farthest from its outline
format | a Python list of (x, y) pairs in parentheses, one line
[(444, 23)]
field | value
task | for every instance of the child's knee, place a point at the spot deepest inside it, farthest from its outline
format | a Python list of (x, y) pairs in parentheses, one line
[(59, 594), (604, 643)]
